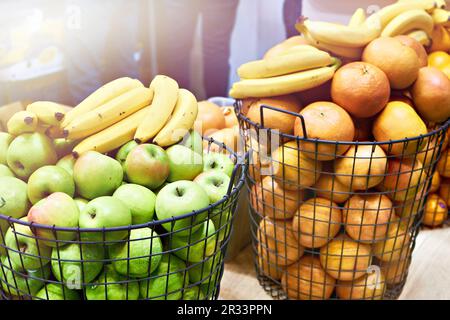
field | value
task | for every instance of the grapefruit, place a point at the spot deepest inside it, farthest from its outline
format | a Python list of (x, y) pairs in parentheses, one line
[(417, 47), (435, 212)]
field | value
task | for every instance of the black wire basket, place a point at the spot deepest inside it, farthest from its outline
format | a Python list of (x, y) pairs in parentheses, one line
[(335, 220), (171, 259)]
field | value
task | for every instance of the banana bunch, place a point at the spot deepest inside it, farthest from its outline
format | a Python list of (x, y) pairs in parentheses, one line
[(162, 112), (299, 68)]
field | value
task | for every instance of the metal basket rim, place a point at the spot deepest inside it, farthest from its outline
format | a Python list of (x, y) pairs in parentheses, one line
[(442, 127), (240, 162)]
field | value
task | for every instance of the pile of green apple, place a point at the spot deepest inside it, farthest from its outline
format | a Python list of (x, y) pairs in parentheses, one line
[(41, 182)]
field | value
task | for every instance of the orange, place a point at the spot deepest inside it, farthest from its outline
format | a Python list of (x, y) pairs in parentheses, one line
[(361, 88), (345, 259), (435, 182), (396, 243), (275, 119), (396, 122), (307, 280), (277, 243), (417, 47), (444, 191), (438, 59), (440, 39), (400, 63), (316, 222), (443, 165), (370, 287), (329, 187), (446, 70), (435, 212), (230, 117), (367, 216), (293, 169), (361, 168), (269, 199), (326, 121), (210, 117), (431, 94)]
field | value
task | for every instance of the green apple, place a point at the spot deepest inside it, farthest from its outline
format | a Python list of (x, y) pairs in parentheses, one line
[(47, 180), (218, 161), (139, 199), (23, 248), (180, 198), (5, 171), (22, 282), (5, 141), (64, 147), (215, 183), (81, 203), (53, 291), (123, 152), (67, 163), (193, 140), (59, 210), (221, 218), (206, 271), (147, 165), (197, 246), (184, 163), (13, 200), (167, 282), (96, 175), (105, 212), (193, 293), (28, 152), (139, 256), (112, 286), (76, 264)]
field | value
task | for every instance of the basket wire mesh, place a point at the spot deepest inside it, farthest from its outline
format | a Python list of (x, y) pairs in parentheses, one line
[(335, 220), (158, 260)]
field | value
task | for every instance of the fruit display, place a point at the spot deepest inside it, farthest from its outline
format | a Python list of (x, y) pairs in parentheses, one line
[(347, 163), (129, 195)]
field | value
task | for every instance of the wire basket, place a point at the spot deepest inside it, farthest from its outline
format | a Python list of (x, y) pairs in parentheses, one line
[(335, 220), (172, 259)]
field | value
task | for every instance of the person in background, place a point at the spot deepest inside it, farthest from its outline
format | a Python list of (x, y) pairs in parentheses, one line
[(292, 10), (178, 24)]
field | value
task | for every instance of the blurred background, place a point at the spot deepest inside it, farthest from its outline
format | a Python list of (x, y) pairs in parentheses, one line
[(62, 50)]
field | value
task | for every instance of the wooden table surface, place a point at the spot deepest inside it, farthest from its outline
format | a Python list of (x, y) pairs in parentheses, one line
[(429, 275)]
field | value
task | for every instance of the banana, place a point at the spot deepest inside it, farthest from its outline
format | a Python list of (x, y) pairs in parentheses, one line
[(299, 49), (286, 64), (386, 14), (441, 17), (55, 132), (49, 113), (181, 122), (345, 52), (340, 35), (22, 122), (109, 113), (113, 137), (409, 21), (101, 96), (358, 18), (420, 36), (166, 95), (282, 85)]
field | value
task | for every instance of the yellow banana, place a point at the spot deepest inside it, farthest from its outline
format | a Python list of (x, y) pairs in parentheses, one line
[(409, 21), (109, 113), (345, 52), (166, 95), (101, 96), (49, 113), (421, 36), (337, 34), (286, 64), (358, 18), (181, 122), (113, 137), (276, 86), (55, 132), (386, 14), (441, 17), (22, 122), (299, 49)]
